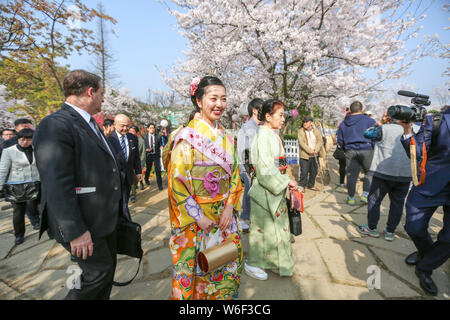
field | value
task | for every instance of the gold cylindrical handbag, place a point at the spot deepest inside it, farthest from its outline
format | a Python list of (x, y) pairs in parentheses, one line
[(213, 258)]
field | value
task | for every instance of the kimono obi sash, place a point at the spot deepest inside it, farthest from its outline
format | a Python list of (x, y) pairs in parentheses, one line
[(211, 181)]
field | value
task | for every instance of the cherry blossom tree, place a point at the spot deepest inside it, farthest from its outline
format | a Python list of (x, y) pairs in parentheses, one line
[(121, 101), (6, 117), (304, 52)]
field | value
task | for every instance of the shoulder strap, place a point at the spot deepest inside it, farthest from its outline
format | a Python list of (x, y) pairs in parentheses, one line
[(436, 124), (123, 284)]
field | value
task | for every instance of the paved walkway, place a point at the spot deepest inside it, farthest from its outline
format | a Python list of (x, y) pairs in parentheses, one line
[(331, 257)]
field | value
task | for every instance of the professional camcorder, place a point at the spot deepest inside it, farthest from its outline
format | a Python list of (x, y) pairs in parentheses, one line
[(415, 113)]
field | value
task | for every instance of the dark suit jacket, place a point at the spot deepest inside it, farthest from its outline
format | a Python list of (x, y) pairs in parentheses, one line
[(69, 156), (131, 167), (157, 145), (438, 164)]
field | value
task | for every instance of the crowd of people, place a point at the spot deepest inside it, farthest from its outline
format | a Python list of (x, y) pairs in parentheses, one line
[(383, 151), (219, 184)]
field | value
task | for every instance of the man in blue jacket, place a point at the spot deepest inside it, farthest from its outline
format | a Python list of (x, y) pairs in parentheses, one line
[(423, 200), (358, 149)]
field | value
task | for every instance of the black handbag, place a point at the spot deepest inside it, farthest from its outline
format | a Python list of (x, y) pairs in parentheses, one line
[(129, 243), (295, 219), (22, 192), (339, 154)]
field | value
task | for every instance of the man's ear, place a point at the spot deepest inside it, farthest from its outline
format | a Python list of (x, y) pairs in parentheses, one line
[(89, 92)]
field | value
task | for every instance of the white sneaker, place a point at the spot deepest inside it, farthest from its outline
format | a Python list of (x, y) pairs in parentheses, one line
[(255, 272), (244, 225)]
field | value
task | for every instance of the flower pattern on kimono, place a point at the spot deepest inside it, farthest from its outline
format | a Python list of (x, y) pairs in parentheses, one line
[(201, 287), (211, 288), (193, 209), (185, 281), (181, 241), (176, 292), (232, 267)]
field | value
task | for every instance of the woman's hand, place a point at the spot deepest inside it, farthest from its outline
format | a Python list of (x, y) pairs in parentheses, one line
[(206, 224), (293, 185), (225, 217)]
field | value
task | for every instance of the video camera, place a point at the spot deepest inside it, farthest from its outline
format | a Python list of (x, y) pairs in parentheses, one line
[(415, 113)]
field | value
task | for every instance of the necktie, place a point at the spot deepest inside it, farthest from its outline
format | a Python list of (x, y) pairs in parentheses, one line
[(124, 146), (99, 135), (153, 145), (97, 130)]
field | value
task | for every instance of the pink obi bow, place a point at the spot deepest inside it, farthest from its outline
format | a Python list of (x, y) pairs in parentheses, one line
[(211, 182)]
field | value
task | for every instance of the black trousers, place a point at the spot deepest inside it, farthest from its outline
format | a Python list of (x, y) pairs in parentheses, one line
[(20, 208), (150, 160), (126, 189), (419, 210), (308, 172), (97, 271), (397, 194), (342, 170)]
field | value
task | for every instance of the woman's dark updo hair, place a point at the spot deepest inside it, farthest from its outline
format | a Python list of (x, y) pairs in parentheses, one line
[(205, 82), (25, 133), (269, 106)]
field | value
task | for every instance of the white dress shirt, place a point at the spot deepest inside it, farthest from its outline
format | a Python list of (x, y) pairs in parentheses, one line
[(87, 117)]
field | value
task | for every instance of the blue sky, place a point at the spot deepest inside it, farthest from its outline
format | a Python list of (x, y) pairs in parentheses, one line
[(147, 39)]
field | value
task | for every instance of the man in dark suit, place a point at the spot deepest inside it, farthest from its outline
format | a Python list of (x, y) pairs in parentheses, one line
[(423, 200), (81, 188), (153, 154), (126, 150)]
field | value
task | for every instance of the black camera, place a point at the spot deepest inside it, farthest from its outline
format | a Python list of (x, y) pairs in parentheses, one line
[(415, 113)]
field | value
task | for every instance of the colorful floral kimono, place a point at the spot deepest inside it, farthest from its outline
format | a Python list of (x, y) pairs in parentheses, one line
[(203, 177), (269, 238)]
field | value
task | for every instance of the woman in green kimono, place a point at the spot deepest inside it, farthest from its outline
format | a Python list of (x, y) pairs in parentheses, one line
[(269, 238)]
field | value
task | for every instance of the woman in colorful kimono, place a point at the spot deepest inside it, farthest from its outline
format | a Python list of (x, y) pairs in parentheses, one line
[(269, 238), (204, 197)]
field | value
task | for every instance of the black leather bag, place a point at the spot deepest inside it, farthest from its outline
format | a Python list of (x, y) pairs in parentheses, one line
[(22, 192), (339, 154), (295, 219), (129, 243)]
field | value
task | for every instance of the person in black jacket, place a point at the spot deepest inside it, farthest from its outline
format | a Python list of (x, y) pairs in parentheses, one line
[(126, 150), (153, 154), (81, 187)]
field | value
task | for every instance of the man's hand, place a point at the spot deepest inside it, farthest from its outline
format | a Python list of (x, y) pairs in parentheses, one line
[(407, 126), (225, 217), (148, 150), (82, 246), (139, 176)]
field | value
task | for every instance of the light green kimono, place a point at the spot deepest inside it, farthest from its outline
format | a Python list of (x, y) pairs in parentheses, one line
[(269, 238)]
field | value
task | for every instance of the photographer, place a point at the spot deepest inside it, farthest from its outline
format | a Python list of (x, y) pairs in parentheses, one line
[(391, 175), (425, 198)]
